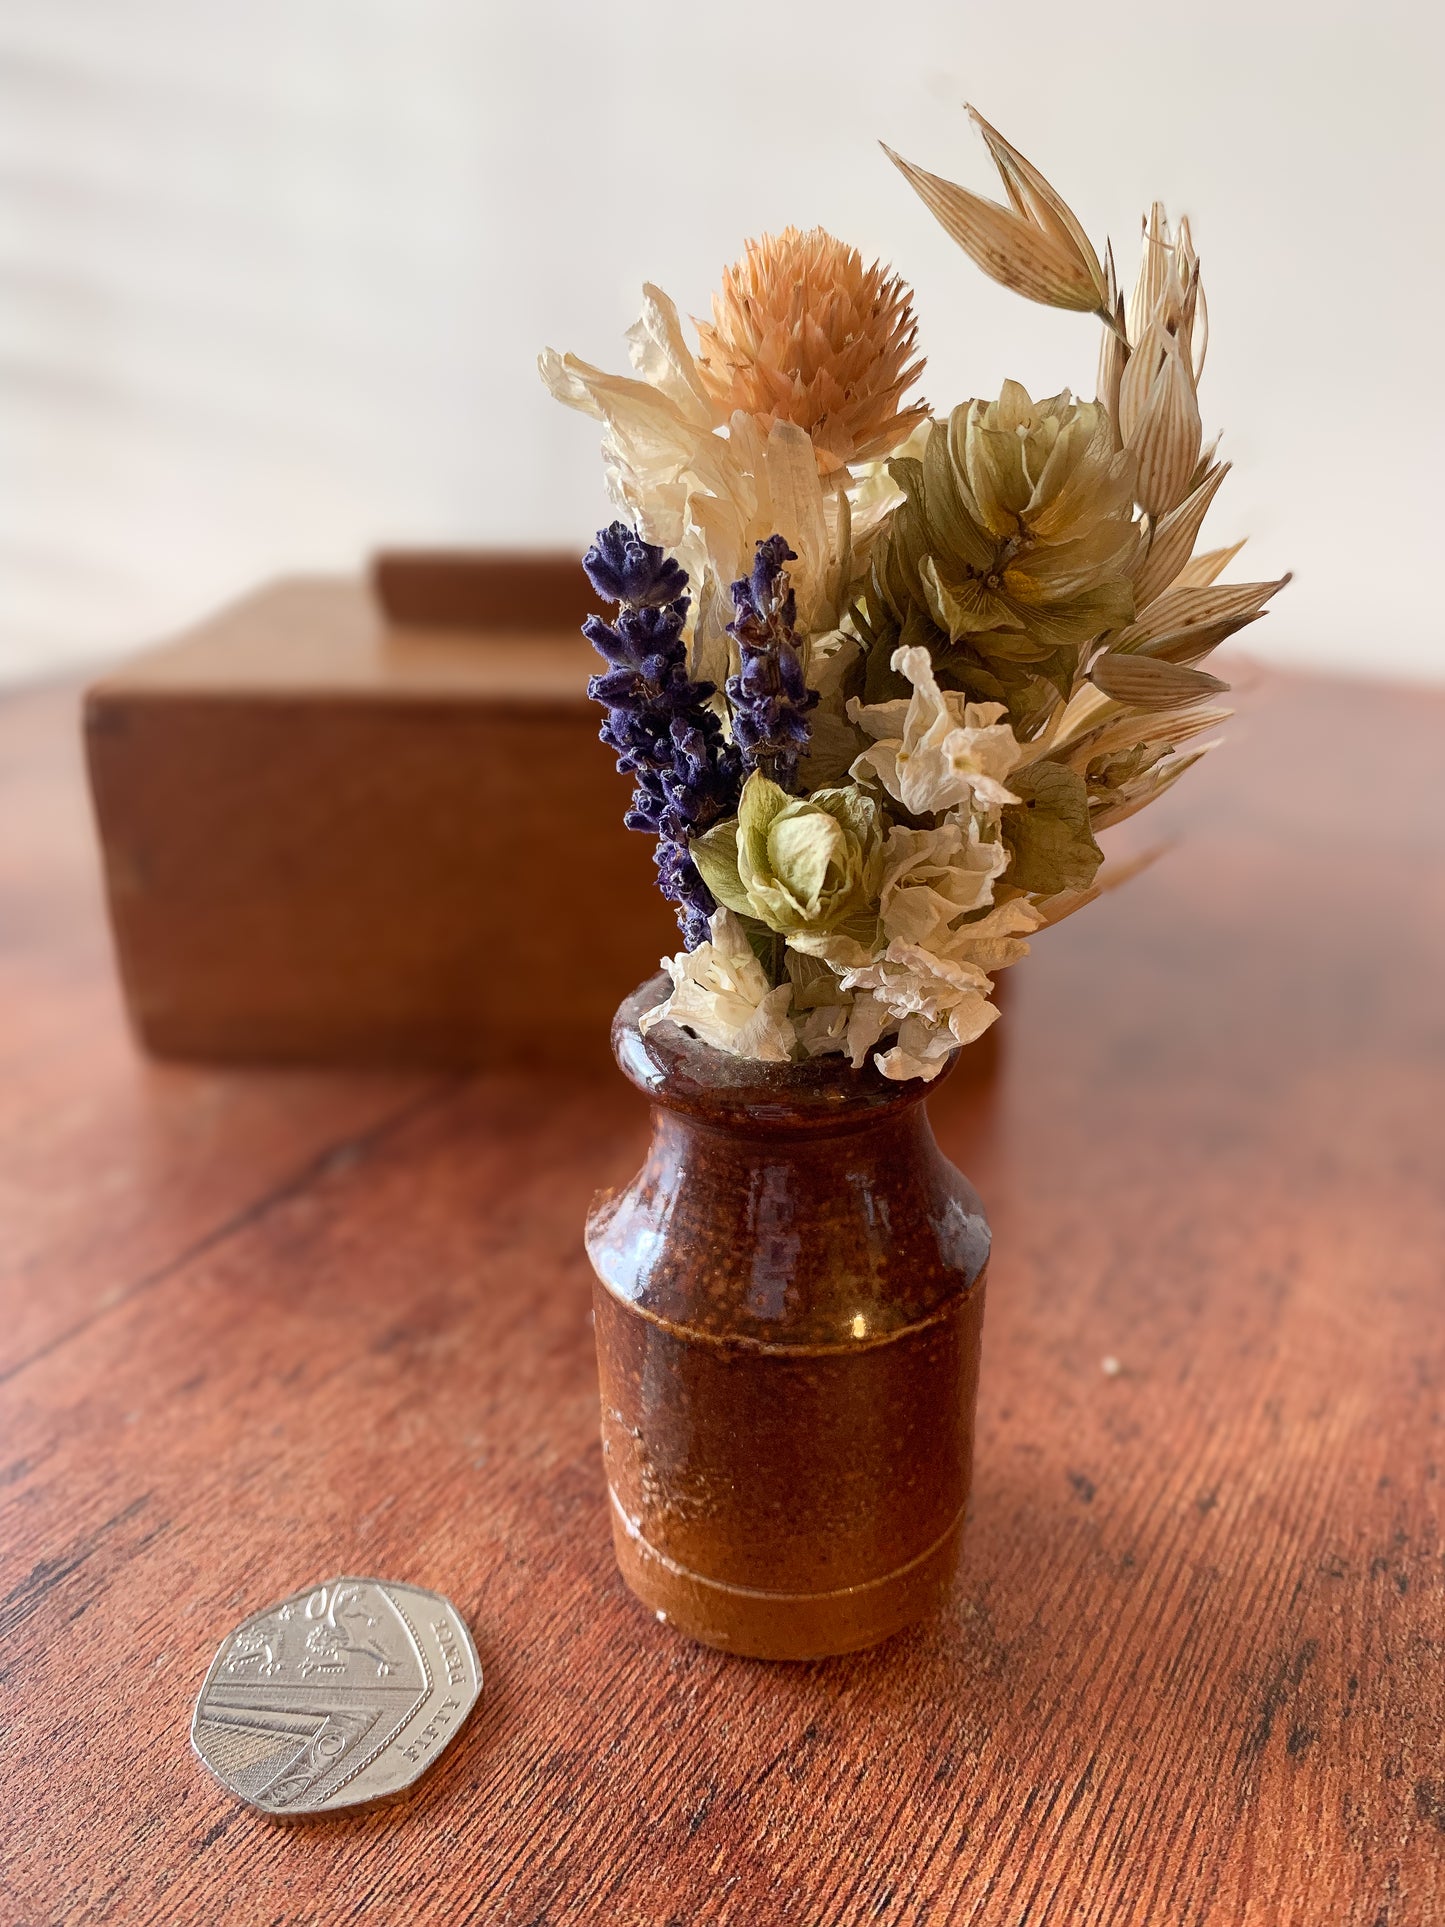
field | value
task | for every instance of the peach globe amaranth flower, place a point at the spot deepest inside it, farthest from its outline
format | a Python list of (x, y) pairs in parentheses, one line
[(802, 332)]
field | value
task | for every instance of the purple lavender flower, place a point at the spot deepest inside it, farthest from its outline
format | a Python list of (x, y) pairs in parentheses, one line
[(768, 696), (658, 720), (623, 568)]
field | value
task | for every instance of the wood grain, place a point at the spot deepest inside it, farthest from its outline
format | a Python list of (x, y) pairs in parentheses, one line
[(1192, 1671)]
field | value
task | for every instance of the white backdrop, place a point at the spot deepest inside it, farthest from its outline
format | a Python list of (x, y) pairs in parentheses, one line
[(273, 275)]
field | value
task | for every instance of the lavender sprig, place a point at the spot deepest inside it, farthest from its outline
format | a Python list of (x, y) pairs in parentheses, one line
[(768, 696), (658, 720)]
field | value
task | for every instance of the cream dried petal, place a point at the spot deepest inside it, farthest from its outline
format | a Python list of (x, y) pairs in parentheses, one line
[(797, 511), (867, 1022), (921, 1051), (995, 941), (644, 416), (825, 1030), (660, 354), (836, 948), (649, 448), (881, 721)]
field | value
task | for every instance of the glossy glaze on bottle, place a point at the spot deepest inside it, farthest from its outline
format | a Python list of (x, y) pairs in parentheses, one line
[(789, 1299)]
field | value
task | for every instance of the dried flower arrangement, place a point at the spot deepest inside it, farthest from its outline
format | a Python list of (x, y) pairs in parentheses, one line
[(881, 678)]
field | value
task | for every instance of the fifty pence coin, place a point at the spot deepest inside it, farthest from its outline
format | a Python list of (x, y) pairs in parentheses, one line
[(339, 1695)]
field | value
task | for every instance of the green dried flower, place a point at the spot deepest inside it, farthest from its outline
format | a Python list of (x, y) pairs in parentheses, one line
[(797, 863), (1011, 552)]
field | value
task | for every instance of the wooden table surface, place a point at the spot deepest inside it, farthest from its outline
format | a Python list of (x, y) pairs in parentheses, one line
[(263, 1327)]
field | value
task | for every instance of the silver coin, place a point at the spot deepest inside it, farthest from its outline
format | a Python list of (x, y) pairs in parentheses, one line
[(337, 1696)]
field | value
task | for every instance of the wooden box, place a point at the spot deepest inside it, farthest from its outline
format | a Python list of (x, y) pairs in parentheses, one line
[(330, 836)]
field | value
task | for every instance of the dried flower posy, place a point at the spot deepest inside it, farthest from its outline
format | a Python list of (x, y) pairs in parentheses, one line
[(881, 677)]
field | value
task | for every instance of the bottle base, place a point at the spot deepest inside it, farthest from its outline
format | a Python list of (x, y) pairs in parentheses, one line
[(759, 1624)]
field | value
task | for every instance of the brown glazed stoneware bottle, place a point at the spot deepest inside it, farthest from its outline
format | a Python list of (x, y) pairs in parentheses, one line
[(789, 1298)]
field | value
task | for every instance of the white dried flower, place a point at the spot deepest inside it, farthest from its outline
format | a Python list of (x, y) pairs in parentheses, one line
[(709, 497), (931, 878), (831, 1019), (657, 422), (936, 751), (995, 941), (937, 1004), (721, 992)]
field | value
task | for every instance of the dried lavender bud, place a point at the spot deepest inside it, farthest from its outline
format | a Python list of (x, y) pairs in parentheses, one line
[(623, 568), (678, 879), (768, 696), (686, 776)]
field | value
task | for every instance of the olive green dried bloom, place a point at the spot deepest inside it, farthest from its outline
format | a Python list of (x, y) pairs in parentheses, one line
[(1012, 550), (797, 863)]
